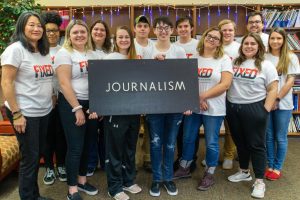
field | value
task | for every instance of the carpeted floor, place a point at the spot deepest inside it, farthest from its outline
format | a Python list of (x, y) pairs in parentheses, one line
[(287, 188)]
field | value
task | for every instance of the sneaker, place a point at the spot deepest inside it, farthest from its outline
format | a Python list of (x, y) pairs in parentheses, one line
[(206, 182), (259, 189), (120, 196), (203, 163), (87, 188), (49, 177), (90, 171), (272, 176), (155, 189), (182, 172), (171, 188), (62, 175), (134, 189), (227, 164), (75, 196), (240, 176)]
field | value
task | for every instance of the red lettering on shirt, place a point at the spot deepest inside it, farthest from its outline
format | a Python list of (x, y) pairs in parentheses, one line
[(82, 65), (246, 73), (205, 72), (43, 71)]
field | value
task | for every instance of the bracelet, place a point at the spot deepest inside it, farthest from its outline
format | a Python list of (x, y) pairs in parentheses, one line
[(18, 111), (17, 117), (76, 108)]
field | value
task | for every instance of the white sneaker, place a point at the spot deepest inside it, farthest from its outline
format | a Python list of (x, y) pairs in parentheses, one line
[(227, 164), (120, 196), (259, 189), (240, 176), (134, 189)]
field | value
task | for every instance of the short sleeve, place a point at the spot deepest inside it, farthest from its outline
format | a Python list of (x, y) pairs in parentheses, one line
[(63, 57), (270, 72), (294, 67), (226, 64), (12, 55)]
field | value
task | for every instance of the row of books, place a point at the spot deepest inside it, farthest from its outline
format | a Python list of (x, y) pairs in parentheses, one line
[(294, 125), (296, 101), (279, 18), (293, 41)]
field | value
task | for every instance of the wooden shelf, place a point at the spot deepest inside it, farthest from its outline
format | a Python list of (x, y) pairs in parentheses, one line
[(296, 51), (296, 112), (293, 133), (296, 92)]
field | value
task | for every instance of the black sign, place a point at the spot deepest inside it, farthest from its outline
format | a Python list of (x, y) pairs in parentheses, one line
[(125, 87)]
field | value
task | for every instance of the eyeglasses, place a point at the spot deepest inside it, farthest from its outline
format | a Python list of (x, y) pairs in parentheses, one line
[(210, 37), (52, 31), (163, 28), (254, 22)]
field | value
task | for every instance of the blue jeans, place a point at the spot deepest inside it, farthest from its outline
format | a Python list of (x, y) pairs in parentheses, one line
[(163, 129), (276, 139), (212, 125)]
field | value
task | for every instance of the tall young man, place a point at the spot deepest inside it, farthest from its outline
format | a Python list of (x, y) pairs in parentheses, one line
[(184, 28)]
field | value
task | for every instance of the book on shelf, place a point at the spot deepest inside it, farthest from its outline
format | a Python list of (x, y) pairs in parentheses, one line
[(286, 18)]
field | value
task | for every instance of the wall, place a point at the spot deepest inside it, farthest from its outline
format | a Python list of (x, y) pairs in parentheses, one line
[(153, 2)]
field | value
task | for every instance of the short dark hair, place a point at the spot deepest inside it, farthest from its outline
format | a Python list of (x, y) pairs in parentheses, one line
[(52, 17), (180, 20), (107, 45), (164, 20), (19, 34), (252, 14)]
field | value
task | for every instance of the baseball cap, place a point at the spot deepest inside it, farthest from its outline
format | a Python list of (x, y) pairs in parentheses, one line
[(141, 18)]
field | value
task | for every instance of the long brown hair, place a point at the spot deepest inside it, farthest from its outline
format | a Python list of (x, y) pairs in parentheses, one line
[(260, 55), (131, 51), (284, 56), (219, 51)]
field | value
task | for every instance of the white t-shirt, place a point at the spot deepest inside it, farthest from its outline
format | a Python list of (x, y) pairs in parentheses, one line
[(79, 64), (286, 103), (143, 52), (33, 83), (55, 84), (101, 53), (173, 52), (189, 47), (232, 49), (249, 85), (115, 56), (209, 74)]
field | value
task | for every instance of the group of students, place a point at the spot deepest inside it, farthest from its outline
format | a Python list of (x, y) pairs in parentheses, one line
[(248, 84)]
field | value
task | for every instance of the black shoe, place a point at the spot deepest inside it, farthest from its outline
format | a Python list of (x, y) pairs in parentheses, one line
[(75, 196), (61, 173), (49, 177), (171, 188), (43, 198), (90, 171), (87, 188), (155, 189)]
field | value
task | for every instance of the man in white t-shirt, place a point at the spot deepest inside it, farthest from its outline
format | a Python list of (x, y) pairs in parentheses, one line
[(255, 24), (142, 43), (143, 46), (184, 27)]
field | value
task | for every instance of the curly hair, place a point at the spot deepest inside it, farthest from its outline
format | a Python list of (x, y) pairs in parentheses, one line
[(52, 17)]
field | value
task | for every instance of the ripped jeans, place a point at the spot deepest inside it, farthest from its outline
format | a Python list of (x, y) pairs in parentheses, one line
[(163, 129)]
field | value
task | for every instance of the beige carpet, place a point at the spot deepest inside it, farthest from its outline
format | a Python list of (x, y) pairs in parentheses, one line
[(287, 188)]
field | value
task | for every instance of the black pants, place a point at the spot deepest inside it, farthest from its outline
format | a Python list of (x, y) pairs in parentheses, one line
[(121, 134), (78, 139), (56, 141), (248, 123), (180, 143), (31, 145)]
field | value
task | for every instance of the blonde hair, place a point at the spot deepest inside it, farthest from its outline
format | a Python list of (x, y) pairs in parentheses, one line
[(68, 44), (131, 51), (260, 55), (219, 51), (227, 21), (284, 56)]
